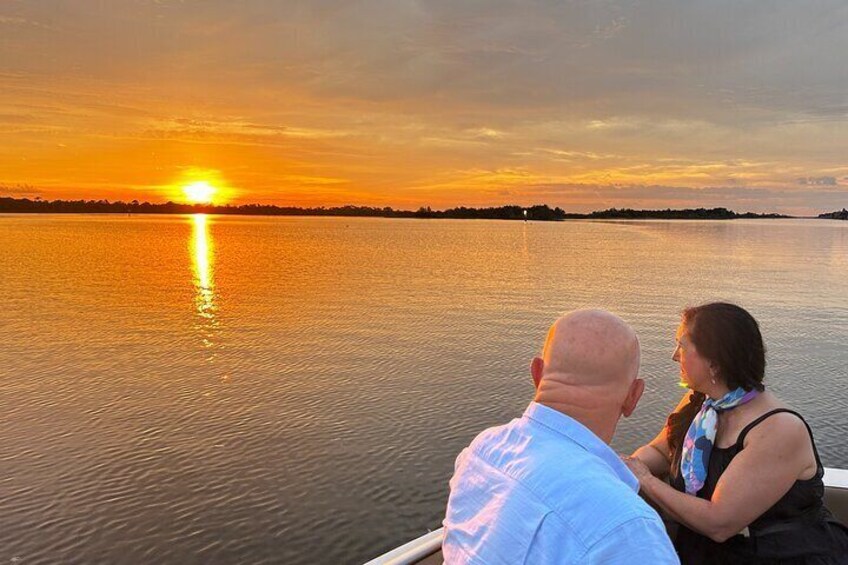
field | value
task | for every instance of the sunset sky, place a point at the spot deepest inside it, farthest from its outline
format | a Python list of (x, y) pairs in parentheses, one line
[(583, 105)]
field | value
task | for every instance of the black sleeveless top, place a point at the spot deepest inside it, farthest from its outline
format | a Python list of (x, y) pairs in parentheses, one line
[(798, 529)]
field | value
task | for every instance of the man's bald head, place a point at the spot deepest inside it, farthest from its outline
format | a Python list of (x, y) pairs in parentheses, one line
[(591, 347), (589, 368)]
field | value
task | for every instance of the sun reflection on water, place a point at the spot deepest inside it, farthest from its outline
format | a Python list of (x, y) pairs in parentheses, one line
[(203, 253)]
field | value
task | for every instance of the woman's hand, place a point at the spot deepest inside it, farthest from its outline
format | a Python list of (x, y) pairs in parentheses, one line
[(638, 468)]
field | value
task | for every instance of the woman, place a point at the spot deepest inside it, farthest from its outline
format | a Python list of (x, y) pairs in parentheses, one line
[(744, 476)]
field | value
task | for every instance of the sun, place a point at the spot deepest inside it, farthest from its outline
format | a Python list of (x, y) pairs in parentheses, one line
[(200, 192)]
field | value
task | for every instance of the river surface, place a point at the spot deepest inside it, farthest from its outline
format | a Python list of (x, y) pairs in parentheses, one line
[(203, 389)]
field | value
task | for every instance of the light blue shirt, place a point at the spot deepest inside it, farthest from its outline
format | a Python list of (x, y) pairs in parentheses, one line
[(545, 489)]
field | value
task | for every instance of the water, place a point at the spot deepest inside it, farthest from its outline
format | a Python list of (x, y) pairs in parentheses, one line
[(294, 390)]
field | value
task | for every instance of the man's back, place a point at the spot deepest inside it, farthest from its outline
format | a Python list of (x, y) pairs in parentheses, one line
[(545, 489)]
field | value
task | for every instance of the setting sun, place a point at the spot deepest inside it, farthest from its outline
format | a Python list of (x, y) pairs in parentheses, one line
[(200, 192)]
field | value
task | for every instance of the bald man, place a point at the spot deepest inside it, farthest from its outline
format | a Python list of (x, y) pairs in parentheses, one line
[(547, 488)]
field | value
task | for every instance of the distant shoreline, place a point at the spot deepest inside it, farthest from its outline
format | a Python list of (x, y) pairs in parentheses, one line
[(541, 212)]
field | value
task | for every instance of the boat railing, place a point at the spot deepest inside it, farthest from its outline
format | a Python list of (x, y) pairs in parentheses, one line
[(412, 552)]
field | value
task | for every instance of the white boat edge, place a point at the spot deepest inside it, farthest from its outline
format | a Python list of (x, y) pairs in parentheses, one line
[(431, 542), (413, 551)]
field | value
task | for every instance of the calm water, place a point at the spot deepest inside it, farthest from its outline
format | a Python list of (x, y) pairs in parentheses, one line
[(294, 390)]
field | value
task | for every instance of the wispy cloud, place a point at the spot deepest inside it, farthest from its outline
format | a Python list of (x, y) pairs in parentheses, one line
[(237, 126), (818, 181)]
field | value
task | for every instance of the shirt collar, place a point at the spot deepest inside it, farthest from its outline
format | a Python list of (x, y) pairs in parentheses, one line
[(582, 436)]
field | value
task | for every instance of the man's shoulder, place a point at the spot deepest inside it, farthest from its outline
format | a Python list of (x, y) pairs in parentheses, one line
[(491, 439), (563, 475)]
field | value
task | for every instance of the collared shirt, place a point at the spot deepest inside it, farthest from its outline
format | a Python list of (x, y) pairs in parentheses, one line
[(545, 489)]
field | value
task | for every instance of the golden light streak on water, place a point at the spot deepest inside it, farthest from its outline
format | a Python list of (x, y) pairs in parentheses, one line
[(203, 253)]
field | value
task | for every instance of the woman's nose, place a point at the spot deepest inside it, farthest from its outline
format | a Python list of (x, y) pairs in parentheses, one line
[(676, 355)]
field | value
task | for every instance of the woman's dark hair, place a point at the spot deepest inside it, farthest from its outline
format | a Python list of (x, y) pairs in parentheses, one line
[(728, 337)]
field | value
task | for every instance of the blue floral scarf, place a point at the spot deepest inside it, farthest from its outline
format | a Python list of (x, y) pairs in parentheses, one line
[(698, 443)]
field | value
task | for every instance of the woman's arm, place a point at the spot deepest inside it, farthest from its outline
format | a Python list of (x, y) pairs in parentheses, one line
[(776, 453), (656, 453)]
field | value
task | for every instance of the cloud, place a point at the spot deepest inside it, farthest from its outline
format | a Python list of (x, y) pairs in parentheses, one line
[(7, 20), (22, 22), (236, 126), (817, 181), (647, 59), (18, 190)]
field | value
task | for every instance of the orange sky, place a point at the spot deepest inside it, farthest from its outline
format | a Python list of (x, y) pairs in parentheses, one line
[(409, 104)]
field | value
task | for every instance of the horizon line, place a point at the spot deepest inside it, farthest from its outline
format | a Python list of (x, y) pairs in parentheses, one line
[(422, 211)]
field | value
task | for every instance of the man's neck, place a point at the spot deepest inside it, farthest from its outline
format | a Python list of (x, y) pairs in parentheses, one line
[(592, 415)]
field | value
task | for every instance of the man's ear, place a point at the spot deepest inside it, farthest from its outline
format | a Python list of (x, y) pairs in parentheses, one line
[(537, 367), (637, 387)]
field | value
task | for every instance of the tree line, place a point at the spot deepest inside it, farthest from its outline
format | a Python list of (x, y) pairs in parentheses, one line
[(837, 215), (539, 212)]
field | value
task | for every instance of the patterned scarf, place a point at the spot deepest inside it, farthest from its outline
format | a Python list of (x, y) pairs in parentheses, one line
[(700, 437)]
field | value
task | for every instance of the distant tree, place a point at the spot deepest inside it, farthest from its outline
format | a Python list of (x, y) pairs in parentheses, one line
[(837, 215)]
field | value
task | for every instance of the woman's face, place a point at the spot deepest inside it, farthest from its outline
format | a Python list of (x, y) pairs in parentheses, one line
[(695, 371)]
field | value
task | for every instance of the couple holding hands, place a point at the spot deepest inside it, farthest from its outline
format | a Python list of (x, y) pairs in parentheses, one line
[(734, 472)]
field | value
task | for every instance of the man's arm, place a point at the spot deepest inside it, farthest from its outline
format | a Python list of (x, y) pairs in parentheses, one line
[(640, 540)]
